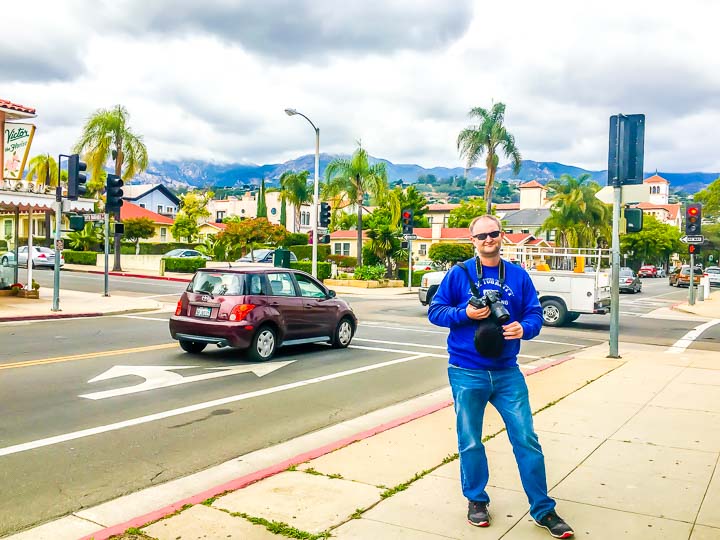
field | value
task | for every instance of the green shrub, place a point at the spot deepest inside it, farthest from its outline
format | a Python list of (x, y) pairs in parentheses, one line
[(323, 268), (369, 257), (376, 272), (80, 257), (296, 239), (184, 264), (305, 252), (343, 261), (416, 276), (154, 248)]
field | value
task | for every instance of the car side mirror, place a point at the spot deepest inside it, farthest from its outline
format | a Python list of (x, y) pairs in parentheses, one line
[(331, 294)]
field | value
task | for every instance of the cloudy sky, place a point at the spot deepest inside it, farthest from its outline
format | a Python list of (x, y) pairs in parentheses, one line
[(210, 80)]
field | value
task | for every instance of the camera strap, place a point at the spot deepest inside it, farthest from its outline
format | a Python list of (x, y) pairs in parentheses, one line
[(478, 265), (473, 287)]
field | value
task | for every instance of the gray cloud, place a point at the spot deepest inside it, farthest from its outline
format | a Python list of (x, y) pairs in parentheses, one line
[(291, 30)]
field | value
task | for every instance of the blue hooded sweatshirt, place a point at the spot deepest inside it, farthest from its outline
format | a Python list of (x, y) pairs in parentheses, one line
[(448, 309)]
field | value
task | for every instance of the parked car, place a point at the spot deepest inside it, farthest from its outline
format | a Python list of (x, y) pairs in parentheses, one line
[(263, 256), (683, 277), (673, 274), (648, 270), (661, 272), (629, 281), (259, 310), (42, 256), (424, 266), (713, 275), (183, 253)]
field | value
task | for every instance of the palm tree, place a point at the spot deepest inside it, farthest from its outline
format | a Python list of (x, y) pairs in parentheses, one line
[(107, 135), (489, 136), (296, 191), (579, 218), (354, 177), (44, 168)]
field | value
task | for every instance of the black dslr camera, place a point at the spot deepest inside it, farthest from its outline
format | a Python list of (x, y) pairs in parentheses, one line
[(491, 299)]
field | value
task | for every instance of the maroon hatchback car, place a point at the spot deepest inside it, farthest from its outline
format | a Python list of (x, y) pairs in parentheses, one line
[(259, 310)]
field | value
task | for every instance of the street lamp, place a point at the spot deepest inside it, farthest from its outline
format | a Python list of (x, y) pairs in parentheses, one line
[(316, 189)]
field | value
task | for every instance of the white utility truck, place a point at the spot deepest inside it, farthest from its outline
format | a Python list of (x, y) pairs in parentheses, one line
[(564, 294)]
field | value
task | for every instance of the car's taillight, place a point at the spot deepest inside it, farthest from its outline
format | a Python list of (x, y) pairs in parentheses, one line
[(178, 309), (240, 311), (42, 256)]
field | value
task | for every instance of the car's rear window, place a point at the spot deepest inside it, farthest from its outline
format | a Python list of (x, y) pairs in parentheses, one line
[(226, 284), (712, 270), (628, 273)]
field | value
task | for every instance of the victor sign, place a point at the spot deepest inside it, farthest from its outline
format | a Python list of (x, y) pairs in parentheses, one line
[(17, 140)]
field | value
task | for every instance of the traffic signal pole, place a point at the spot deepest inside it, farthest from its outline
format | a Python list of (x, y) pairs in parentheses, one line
[(58, 225), (691, 287)]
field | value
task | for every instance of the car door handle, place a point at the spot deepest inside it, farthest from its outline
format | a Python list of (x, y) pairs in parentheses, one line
[(274, 303)]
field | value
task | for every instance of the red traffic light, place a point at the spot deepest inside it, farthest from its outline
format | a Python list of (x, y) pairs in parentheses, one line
[(406, 215), (693, 211)]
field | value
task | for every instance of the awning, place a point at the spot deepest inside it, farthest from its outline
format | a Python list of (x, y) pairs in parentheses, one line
[(10, 200)]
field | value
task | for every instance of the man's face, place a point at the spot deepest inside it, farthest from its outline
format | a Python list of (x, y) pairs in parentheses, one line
[(489, 246)]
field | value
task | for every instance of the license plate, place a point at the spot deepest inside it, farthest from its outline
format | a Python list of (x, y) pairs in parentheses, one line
[(202, 311)]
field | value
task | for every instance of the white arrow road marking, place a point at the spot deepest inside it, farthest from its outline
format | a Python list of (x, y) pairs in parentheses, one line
[(16, 449), (684, 342), (160, 376)]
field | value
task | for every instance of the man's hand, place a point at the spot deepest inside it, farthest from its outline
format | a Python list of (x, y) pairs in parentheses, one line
[(477, 314), (514, 330)]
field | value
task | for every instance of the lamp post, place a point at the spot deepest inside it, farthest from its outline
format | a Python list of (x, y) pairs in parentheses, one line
[(316, 189)]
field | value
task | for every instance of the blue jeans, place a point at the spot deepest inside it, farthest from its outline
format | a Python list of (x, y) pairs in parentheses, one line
[(506, 389)]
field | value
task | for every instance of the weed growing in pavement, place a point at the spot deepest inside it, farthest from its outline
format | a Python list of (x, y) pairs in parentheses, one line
[(292, 468), (357, 514), (335, 475), (310, 470), (278, 527)]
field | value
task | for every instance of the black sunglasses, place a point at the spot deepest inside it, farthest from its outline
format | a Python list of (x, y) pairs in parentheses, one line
[(484, 235)]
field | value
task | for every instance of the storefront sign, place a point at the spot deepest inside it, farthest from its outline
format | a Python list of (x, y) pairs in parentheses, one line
[(17, 140)]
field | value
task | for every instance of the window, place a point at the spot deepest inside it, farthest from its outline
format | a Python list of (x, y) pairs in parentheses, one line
[(346, 249), (141, 205), (219, 216), (160, 209), (8, 228), (281, 284), (337, 248), (526, 231), (309, 288), (422, 250), (163, 234), (255, 284)]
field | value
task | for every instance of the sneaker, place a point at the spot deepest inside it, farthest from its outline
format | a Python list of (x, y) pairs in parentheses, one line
[(555, 524), (478, 514)]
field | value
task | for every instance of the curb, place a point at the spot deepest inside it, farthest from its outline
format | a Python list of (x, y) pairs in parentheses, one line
[(243, 481), (145, 276), (46, 317)]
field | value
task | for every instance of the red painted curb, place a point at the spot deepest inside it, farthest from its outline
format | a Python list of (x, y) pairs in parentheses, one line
[(144, 276), (45, 317), (243, 481)]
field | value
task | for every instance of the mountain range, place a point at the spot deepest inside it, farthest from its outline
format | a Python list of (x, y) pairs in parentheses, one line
[(205, 174)]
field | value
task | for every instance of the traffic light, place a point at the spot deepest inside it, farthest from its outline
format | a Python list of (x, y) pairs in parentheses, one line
[(693, 249), (77, 179), (113, 192), (693, 219), (633, 220), (407, 221), (324, 218), (627, 149)]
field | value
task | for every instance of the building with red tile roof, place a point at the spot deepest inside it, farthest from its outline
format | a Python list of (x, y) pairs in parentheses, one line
[(161, 223)]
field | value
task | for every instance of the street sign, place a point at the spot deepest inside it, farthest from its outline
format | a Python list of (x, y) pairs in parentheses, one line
[(410, 236), (630, 194), (94, 217), (59, 245), (698, 239)]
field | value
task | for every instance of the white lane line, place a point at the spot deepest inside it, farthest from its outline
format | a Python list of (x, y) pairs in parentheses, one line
[(442, 347), (684, 342), (364, 348), (23, 447), (390, 327), (416, 345)]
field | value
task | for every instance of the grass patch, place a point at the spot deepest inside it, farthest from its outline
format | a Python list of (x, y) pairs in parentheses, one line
[(283, 529), (335, 475), (310, 470)]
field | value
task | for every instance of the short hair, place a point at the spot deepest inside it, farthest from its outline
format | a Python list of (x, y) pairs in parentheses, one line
[(485, 216)]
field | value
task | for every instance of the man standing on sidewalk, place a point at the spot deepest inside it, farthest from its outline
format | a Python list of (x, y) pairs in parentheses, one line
[(483, 368)]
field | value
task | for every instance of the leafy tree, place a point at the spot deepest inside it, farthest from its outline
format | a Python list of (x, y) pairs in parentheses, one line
[(261, 202), (107, 135), (654, 244), (297, 191), (578, 217), (213, 247), (296, 239), (193, 208), (413, 199), (710, 199), (466, 212), (385, 244), (241, 236), (342, 221), (44, 168), (487, 138), (355, 177), (137, 229), (446, 254), (86, 240)]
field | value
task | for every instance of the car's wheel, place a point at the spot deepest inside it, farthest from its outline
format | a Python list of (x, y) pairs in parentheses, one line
[(263, 345), (572, 316), (343, 333), (192, 346), (554, 312)]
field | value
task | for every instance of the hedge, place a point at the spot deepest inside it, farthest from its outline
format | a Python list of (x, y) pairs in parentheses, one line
[(323, 268), (187, 265), (343, 261), (416, 276), (80, 257), (305, 252), (154, 248)]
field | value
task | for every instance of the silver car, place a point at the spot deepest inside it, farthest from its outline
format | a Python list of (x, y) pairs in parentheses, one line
[(713, 275), (42, 256)]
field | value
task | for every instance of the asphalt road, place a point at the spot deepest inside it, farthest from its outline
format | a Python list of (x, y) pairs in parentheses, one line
[(76, 431)]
